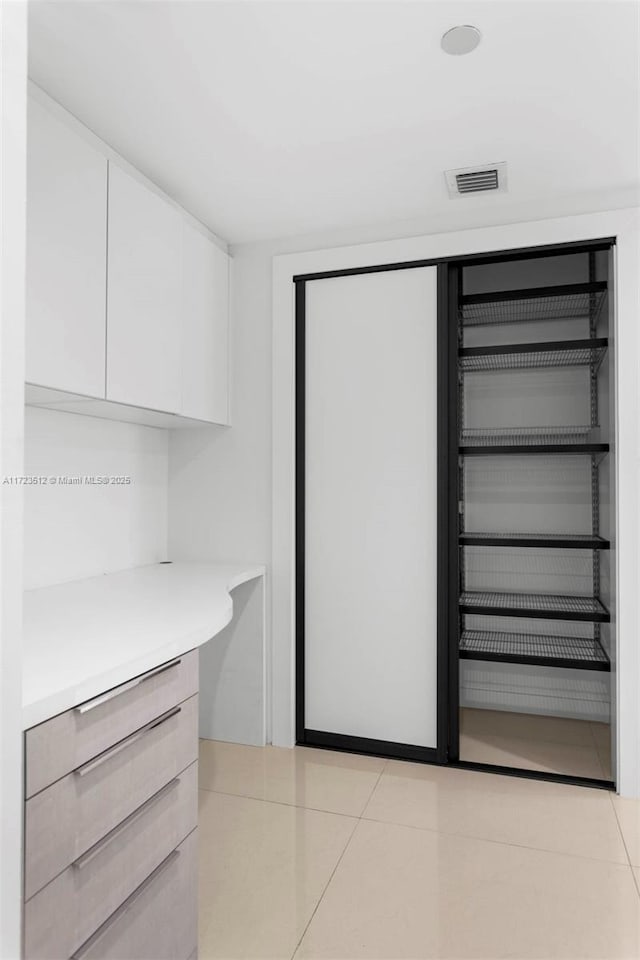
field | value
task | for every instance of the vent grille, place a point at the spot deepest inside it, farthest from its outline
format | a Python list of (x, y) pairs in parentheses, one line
[(490, 177), (477, 181)]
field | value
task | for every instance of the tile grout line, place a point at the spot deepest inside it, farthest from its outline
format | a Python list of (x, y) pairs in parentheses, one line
[(410, 826), (635, 876), (373, 789), (598, 754), (360, 819), (595, 747), (281, 803), (502, 843), (326, 887), (339, 861), (619, 825)]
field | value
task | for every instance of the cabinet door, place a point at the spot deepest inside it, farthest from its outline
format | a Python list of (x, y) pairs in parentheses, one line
[(143, 296), (205, 310), (66, 257)]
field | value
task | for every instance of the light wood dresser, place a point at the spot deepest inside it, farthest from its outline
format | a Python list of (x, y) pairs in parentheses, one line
[(110, 868)]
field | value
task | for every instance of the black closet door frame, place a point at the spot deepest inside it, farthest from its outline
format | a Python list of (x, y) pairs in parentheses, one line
[(448, 553), (337, 741), (449, 281)]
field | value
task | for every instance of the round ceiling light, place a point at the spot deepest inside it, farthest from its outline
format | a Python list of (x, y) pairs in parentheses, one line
[(459, 40)]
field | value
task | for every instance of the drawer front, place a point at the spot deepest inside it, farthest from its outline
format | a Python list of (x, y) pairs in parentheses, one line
[(68, 910), (71, 815), (61, 744), (160, 919)]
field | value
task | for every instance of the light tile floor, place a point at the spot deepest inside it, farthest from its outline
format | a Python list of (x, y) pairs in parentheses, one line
[(312, 854), (577, 748)]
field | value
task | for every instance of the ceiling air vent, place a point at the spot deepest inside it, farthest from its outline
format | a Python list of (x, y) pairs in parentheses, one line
[(490, 177)]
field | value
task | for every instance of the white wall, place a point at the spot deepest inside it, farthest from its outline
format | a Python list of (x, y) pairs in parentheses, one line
[(232, 701), (13, 79), (82, 530), (220, 509), (219, 477)]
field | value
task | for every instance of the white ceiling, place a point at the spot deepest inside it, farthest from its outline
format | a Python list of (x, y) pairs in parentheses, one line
[(270, 119)]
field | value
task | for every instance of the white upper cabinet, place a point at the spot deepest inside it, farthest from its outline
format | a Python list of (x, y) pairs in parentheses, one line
[(127, 300), (66, 257), (205, 316), (144, 340)]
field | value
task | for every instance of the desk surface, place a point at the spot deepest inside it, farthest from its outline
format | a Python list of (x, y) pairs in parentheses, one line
[(87, 636)]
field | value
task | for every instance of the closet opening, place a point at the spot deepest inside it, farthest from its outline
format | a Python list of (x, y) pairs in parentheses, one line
[(531, 564)]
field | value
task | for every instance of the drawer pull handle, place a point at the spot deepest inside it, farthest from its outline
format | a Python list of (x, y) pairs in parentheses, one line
[(113, 834), (100, 932), (112, 694), (127, 742)]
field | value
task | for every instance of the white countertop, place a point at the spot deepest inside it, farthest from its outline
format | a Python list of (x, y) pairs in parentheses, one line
[(84, 637)]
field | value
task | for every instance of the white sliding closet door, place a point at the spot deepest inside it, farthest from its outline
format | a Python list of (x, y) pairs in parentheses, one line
[(370, 502)]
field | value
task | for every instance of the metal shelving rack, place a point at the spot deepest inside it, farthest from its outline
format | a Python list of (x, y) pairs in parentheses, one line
[(565, 302)]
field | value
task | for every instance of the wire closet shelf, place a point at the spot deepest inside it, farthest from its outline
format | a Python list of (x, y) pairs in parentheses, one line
[(534, 606), (552, 439), (528, 356), (580, 301), (581, 653), (572, 541)]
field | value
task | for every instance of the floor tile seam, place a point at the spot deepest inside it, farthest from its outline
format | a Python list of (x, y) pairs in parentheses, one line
[(621, 831), (597, 749), (325, 888), (502, 843), (373, 790), (281, 803), (593, 735), (202, 933), (606, 775)]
